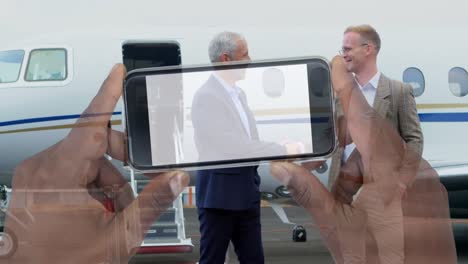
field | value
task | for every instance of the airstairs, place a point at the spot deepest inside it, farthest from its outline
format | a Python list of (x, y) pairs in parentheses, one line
[(166, 234)]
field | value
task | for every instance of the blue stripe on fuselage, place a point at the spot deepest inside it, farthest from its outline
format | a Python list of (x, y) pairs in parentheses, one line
[(424, 117), (43, 119)]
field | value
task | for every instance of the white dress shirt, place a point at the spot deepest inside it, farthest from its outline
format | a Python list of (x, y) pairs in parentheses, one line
[(234, 93), (369, 90)]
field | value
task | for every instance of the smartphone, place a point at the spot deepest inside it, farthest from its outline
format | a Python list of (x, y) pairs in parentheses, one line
[(227, 115)]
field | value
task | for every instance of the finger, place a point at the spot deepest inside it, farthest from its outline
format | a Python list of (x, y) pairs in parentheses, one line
[(152, 201), (305, 188), (411, 163), (116, 148), (342, 79), (337, 191), (103, 104), (91, 129), (357, 180), (427, 216), (343, 195), (350, 179), (343, 135), (114, 185), (313, 165)]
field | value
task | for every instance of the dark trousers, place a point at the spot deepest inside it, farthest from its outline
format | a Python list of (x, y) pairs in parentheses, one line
[(218, 227)]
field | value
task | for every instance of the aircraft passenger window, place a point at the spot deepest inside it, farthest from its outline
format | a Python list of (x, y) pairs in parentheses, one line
[(415, 77), (10, 65), (47, 65), (458, 81)]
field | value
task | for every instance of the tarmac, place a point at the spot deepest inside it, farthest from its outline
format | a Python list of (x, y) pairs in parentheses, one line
[(277, 241)]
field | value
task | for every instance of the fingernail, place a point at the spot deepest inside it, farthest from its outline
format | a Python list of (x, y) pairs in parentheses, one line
[(114, 68), (178, 182), (280, 172)]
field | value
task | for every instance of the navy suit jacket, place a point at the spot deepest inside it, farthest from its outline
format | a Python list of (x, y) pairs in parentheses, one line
[(220, 134)]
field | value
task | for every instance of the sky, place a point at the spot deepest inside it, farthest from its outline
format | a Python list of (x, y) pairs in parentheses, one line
[(20, 17), (404, 25)]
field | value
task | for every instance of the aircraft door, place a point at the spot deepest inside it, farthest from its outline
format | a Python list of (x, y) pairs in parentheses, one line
[(167, 112)]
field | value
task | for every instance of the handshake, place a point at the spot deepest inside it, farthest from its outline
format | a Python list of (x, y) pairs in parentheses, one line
[(293, 147)]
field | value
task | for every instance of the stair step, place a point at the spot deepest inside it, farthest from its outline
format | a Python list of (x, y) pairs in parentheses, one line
[(158, 240), (167, 216), (158, 231)]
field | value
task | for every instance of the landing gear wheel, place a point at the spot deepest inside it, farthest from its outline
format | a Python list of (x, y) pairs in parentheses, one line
[(299, 234), (8, 243)]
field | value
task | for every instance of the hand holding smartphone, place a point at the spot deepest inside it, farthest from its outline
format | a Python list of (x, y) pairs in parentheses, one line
[(229, 115)]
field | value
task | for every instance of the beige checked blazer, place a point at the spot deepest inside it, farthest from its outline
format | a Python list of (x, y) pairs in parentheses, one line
[(394, 101)]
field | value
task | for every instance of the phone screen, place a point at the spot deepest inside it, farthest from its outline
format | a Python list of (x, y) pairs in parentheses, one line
[(230, 114)]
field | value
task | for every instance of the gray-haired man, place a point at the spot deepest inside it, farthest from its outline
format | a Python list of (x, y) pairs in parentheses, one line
[(228, 199)]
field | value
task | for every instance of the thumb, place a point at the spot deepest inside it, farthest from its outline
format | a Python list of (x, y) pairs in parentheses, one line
[(159, 194), (341, 231), (152, 201), (305, 188), (342, 80)]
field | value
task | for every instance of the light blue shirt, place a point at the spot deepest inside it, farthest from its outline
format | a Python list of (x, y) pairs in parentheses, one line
[(234, 93), (369, 90)]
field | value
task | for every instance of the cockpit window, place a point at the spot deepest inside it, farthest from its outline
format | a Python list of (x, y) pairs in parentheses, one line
[(10, 65), (47, 65), (415, 77), (458, 81)]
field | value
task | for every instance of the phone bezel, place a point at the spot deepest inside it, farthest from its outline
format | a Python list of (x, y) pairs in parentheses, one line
[(138, 73)]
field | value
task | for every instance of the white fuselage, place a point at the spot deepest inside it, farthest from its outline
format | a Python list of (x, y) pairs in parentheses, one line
[(35, 115)]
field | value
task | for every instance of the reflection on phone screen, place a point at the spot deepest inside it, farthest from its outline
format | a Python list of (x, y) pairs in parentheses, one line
[(231, 114)]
